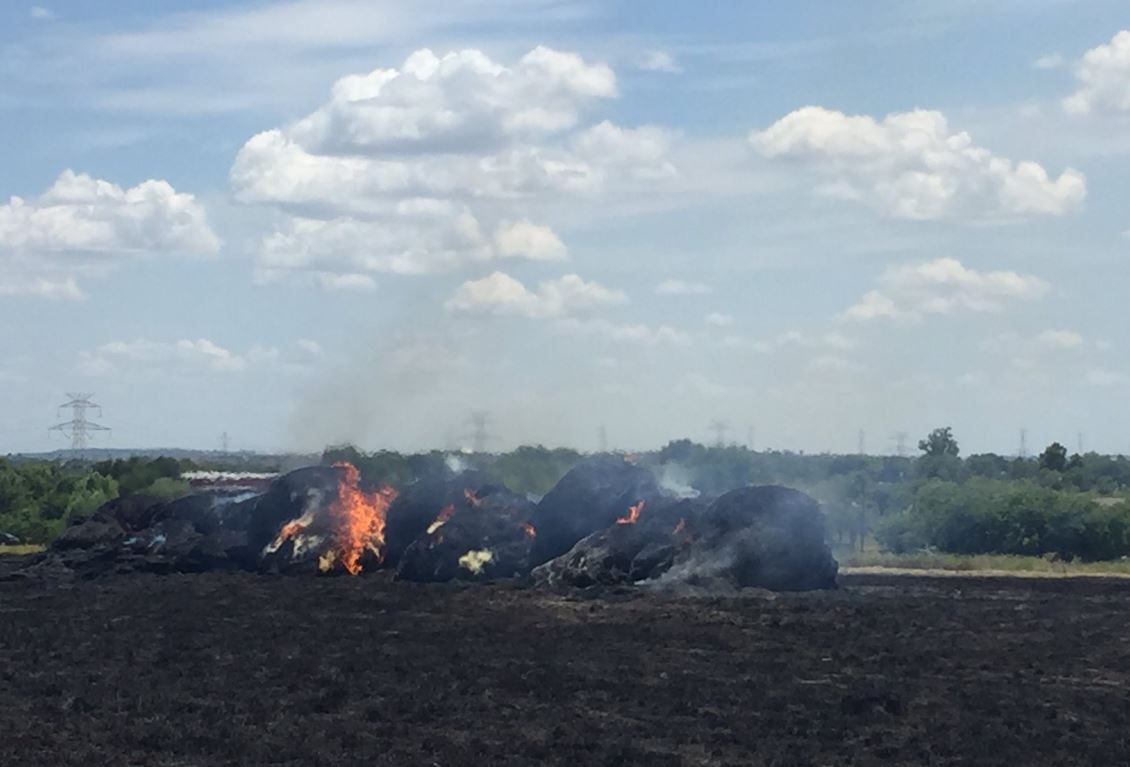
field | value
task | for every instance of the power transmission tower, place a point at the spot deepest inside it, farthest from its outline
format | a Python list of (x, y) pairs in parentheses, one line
[(900, 443), (224, 443), (479, 434), (719, 428), (78, 428), (1023, 443)]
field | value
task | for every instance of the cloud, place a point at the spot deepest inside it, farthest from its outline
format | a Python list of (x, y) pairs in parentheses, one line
[(658, 61), (405, 170), (1049, 61), (1103, 75), (719, 320), (202, 353), (522, 239), (39, 13), (630, 333), (85, 226), (1060, 339), (910, 165), (310, 347), (943, 286), (501, 294), (1104, 377), (682, 288)]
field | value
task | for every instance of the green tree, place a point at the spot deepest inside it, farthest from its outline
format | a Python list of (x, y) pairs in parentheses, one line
[(939, 442), (1054, 457)]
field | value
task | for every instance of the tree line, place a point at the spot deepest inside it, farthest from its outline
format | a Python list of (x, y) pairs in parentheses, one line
[(1073, 506)]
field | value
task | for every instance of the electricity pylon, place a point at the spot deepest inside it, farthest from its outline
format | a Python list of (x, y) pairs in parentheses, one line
[(78, 428)]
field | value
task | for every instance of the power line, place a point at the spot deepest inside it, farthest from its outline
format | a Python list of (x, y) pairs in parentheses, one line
[(79, 427)]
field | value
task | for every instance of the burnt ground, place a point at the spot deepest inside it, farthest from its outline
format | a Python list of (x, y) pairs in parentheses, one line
[(247, 670)]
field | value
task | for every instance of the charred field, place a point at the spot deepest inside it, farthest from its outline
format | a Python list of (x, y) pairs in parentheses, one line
[(246, 669)]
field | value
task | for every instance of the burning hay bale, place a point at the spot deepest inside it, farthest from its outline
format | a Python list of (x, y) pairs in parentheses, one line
[(418, 505), (770, 537), (642, 544), (590, 497), (313, 519), (767, 536), (481, 535), (341, 528)]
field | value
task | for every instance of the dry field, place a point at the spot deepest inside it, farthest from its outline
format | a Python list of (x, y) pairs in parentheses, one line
[(235, 669)]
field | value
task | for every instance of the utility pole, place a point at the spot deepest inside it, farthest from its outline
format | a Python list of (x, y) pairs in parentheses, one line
[(719, 428), (224, 443), (1023, 442), (1079, 442), (602, 439), (751, 438), (78, 428), (862, 443)]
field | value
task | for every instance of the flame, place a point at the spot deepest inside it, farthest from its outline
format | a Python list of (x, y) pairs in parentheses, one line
[(529, 530), (358, 519), (290, 530), (474, 560), (680, 527), (472, 500), (444, 515), (632, 515)]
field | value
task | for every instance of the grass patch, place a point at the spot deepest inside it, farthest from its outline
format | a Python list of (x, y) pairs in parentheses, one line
[(927, 560), (20, 549)]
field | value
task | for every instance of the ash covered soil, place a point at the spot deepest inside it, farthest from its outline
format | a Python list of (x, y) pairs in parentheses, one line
[(245, 669)]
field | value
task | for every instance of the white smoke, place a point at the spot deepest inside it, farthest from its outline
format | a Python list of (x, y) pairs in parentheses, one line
[(674, 480)]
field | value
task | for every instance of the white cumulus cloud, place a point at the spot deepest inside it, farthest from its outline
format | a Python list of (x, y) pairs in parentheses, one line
[(85, 226), (1103, 75), (658, 61), (910, 165), (675, 287), (943, 286), (406, 170), (501, 294)]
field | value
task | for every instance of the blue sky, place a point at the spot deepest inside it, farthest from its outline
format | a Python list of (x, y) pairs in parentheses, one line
[(304, 222)]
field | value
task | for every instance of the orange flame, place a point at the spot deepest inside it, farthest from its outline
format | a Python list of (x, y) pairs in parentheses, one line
[(632, 515), (473, 500), (441, 520), (529, 530), (358, 519)]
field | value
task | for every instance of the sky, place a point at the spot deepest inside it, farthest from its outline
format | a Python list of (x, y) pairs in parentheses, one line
[(601, 223)]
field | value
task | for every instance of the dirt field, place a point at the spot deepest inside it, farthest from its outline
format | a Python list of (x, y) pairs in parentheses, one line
[(248, 670)]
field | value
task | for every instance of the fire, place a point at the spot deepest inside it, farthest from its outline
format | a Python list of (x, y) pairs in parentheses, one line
[(529, 530), (632, 515), (358, 519), (444, 515), (472, 500), (475, 560)]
